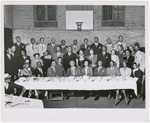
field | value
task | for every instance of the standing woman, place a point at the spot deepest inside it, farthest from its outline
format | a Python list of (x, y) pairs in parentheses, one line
[(80, 58), (47, 60), (60, 68), (131, 48), (115, 58)]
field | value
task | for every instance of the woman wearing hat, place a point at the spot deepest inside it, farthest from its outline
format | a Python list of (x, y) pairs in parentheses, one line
[(80, 58), (26, 71), (35, 60)]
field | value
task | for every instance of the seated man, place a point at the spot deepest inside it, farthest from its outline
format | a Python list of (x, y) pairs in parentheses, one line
[(52, 71), (73, 70), (11, 88)]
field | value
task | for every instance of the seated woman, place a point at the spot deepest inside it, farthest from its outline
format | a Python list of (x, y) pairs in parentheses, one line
[(35, 60), (92, 58), (115, 58), (87, 70), (47, 59), (22, 58), (99, 71), (125, 71), (80, 58), (60, 68), (26, 71), (12, 88), (136, 72)]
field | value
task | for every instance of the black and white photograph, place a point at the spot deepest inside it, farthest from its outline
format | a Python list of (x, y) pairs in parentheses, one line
[(76, 56)]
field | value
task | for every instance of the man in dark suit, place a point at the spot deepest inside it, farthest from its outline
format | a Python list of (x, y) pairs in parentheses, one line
[(38, 72), (105, 57), (129, 59), (19, 45), (11, 88), (85, 46), (8, 62), (52, 71), (63, 47), (68, 57), (58, 54), (96, 46), (51, 47)]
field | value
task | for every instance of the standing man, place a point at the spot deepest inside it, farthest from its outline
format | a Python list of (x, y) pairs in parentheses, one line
[(130, 59), (105, 57), (63, 47), (57, 54), (75, 46), (68, 57), (96, 46), (19, 45), (51, 47), (32, 49), (85, 46), (139, 57), (41, 47), (109, 45), (120, 42)]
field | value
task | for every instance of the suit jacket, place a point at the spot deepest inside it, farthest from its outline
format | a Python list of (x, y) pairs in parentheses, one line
[(105, 59), (102, 72), (8, 65), (138, 74), (37, 72), (130, 61), (60, 70), (74, 50), (30, 51), (15, 65), (87, 49), (51, 72), (11, 86), (97, 49), (89, 71), (93, 60), (18, 48), (63, 50), (114, 72), (51, 50), (77, 72), (67, 59), (41, 48), (21, 61), (54, 56)]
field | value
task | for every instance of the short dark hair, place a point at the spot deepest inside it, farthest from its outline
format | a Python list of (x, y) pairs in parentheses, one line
[(75, 40), (41, 38), (62, 40), (114, 50), (59, 58), (91, 49), (17, 37), (120, 36), (85, 39), (137, 64), (23, 51), (114, 63), (95, 37), (137, 44), (107, 39), (105, 47), (128, 51), (53, 61), (52, 39), (32, 39), (39, 62)]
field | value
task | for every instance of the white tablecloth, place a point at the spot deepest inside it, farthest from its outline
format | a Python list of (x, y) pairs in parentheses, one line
[(21, 102), (79, 83)]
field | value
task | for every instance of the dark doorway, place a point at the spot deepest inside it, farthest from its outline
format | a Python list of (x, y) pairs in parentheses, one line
[(8, 42)]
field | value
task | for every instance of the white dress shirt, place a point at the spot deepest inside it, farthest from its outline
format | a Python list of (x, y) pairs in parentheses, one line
[(125, 71), (73, 70)]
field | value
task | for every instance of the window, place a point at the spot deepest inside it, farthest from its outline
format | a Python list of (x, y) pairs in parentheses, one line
[(45, 16), (79, 7), (113, 16)]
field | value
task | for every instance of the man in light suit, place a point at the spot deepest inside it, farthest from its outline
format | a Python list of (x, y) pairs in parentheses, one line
[(85, 46), (32, 49), (87, 71), (41, 47), (75, 46), (139, 57), (52, 71), (51, 47), (96, 46), (73, 70), (57, 54), (19, 45), (113, 70), (63, 47)]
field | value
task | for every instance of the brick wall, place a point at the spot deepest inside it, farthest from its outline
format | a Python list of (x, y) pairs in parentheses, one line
[(8, 16), (134, 30)]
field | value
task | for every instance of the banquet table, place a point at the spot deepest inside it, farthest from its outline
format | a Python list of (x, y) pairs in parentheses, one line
[(12, 101), (78, 83)]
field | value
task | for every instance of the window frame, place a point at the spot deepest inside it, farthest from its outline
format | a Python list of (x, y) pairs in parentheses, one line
[(114, 23)]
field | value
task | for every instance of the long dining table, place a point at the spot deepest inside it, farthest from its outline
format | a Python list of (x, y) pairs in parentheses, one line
[(78, 83)]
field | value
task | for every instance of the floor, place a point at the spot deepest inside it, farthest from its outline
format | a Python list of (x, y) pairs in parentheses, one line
[(103, 102)]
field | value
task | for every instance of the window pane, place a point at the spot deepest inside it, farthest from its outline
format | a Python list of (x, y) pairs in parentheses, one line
[(51, 12), (120, 17), (116, 17), (120, 11), (40, 13), (107, 12)]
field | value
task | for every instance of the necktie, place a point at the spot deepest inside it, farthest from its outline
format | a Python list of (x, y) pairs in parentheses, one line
[(54, 69)]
